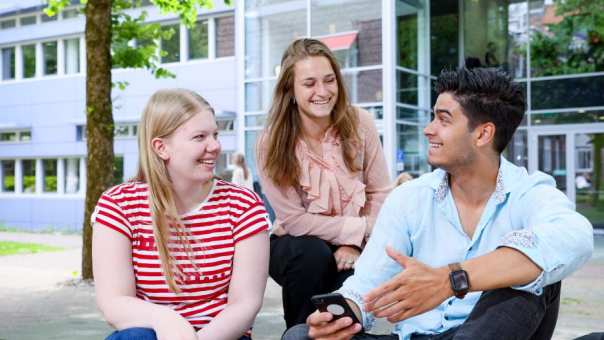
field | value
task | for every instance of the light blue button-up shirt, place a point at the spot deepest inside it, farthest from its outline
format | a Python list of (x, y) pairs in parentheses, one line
[(419, 219)]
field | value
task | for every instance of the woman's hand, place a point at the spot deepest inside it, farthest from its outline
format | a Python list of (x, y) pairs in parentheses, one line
[(345, 257), (169, 325)]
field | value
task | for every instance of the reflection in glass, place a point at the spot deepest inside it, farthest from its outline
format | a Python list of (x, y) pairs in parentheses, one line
[(258, 95), (363, 86), (29, 175), (28, 53), (171, 46), (269, 29), (571, 117), (198, 40), (8, 63), (411, 149), (407, 36), (255, 120), (552, 158), (49, 167), (225, 36), (8, 175), (409, 87), (517, 150), (72, 56), (351, 25), (444, 35), (49, 51), (563, 40), (589, 177), (72, 175), (567, 93), (410, 115)]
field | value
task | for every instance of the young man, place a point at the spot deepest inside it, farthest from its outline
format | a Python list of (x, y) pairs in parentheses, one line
[(477, 248)]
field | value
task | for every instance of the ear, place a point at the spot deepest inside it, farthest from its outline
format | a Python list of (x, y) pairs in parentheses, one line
[(160, 148), (485, 134)]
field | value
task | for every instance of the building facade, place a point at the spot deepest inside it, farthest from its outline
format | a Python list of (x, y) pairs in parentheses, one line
[(42, 106), (391, 51)]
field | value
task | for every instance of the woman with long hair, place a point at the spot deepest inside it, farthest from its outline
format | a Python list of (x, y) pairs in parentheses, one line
[(178, 254), (241, 174), (324, 173)]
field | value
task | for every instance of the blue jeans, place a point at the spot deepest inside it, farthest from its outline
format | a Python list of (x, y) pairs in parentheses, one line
[(499, 314), (138, 333)]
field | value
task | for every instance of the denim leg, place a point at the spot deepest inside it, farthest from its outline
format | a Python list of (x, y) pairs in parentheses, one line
[(135, 333), (512, 314), (300, 332)]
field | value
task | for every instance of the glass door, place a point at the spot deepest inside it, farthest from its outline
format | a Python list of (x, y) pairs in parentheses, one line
[(552, 158), (588, 176)]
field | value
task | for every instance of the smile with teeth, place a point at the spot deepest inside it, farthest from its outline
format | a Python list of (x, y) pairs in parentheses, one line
[(207, 162), (320, 102), (435, 145)]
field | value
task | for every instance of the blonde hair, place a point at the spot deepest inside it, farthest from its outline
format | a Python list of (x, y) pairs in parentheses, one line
[(284, 127), (165, 111), (239, 160)]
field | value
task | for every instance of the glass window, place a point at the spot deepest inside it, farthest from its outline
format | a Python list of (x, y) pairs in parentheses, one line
[(354, 25), (444, 35), (565, 39), (269, 29), (410, 87), (70, 13), (226, 124), (8, 63), (9, 23), (570, 117), (225, 36), (198, 40), (49, 167), (255, 120), (407, 37), (49, 50), (29, 60), (118, 169), (46, 18), (171, 47), (80, 133), (120, 131), (72, 175), (29, 175), (29, 20), (567, 93), (258, 95), (517, 150), (8, 175), (411, 149), (412, 116), (364, 86), (24, 136), (72, 55), (8, 136)]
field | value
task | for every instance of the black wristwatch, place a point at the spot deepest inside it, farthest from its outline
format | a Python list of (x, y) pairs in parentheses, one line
[(460, 283)]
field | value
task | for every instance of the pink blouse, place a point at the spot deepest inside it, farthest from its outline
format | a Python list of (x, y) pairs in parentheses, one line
[(331, 202)]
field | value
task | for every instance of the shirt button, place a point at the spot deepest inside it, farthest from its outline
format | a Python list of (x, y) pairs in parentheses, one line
[(450, 302), (446, 318)]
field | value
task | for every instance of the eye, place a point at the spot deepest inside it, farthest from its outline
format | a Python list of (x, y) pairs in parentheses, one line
[(200, 136), (330, 80)]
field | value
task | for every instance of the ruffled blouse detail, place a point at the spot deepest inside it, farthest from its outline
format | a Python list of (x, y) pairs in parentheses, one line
[(331, 189)]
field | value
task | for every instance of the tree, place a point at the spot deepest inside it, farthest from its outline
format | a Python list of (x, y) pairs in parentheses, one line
[(115, 38)]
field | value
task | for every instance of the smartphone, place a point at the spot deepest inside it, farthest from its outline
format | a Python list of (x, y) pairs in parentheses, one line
[(336, 305)]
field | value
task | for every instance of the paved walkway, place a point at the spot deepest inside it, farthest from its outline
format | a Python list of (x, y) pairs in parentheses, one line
[(41, 298)]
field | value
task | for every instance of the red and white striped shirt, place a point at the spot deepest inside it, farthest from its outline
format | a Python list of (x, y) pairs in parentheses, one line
[(229, 214)]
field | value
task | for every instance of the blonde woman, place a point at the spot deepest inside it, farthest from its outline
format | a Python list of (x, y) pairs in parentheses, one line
[(323, 171), (178, 254), (241, 174)]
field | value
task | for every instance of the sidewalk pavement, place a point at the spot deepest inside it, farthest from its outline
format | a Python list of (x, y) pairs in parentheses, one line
[(41, 298)]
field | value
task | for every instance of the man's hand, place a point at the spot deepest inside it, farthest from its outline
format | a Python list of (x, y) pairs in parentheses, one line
[(345, 257), (321, 327), (417, 289)]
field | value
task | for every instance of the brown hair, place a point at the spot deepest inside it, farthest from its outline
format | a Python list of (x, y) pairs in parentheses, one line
[(239, 160), (166, 110), (284, 126)]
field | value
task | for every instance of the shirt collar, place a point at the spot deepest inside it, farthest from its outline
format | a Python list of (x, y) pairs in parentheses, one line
[(502, 187)]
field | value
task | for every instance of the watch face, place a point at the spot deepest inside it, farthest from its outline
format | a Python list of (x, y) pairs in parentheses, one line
[(459, 279)]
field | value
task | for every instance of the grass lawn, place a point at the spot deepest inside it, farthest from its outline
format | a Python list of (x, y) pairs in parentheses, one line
[(14, 248)]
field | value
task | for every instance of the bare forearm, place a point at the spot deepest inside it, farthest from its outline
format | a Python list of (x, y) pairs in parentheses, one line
[(126, 312), (232, 322), (504, 267)]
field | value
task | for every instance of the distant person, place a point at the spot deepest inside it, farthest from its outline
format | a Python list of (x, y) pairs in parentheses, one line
[(490, 57), (475, 249), (241, 174), (178, 254), (323, 171)]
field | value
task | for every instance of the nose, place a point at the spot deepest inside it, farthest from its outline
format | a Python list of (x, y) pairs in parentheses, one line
[(321, 89), (213, 145), (429, 129)]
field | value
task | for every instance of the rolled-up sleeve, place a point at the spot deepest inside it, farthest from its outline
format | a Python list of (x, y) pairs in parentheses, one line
[(556, 238), (374, 266)]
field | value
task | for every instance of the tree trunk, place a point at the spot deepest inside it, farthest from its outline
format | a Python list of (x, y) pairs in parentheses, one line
[(99, 118)]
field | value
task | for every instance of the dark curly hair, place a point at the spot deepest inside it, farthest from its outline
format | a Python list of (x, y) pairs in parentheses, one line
[(486, 95)]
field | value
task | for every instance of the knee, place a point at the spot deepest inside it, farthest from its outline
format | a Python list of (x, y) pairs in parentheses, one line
[(136, 333), (298, 332)]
